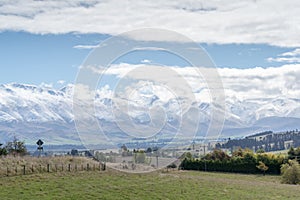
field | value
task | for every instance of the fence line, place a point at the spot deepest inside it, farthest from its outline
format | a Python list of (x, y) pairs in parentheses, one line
[(50, 168)]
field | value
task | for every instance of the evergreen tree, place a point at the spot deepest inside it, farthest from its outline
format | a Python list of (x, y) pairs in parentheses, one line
[(2, 150)]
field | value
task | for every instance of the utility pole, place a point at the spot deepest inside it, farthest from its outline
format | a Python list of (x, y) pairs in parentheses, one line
[(204, 146)]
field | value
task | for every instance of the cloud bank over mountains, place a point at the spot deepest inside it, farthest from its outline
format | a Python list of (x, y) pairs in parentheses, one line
[(242, 84), (256, 100), (222, 22)]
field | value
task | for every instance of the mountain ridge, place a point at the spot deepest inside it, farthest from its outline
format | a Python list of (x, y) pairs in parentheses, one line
[(28, 110)]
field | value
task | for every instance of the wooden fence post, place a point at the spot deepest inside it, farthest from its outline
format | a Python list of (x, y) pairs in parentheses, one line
[(69, 167), (24, 170), (48, 168)]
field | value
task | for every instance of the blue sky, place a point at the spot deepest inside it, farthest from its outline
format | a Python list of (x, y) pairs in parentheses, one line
[(254, 43), (31, 58), (46, 41), (49, 58)]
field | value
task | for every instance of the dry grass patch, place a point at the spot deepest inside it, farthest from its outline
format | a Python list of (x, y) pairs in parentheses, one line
[(10, 165)]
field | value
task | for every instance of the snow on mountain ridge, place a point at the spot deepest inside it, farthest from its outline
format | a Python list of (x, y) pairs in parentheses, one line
[(21, 103), (40, 103)]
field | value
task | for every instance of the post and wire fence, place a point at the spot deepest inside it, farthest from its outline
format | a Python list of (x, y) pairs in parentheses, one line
[(26, 169)]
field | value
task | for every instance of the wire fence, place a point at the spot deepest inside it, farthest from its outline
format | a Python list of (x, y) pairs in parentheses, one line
[(19, 170)]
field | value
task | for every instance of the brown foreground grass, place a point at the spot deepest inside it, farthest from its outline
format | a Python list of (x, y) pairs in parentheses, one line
[(10, 165)]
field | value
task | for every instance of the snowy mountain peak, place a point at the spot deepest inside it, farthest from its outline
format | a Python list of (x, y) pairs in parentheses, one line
[(23, 105)]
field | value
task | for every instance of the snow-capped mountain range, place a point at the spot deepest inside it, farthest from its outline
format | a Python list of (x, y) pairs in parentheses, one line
[(31, 112)]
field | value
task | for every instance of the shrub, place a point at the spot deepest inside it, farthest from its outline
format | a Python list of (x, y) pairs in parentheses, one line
[(291, 172), (262, 167), (242, 161), (173, 165)]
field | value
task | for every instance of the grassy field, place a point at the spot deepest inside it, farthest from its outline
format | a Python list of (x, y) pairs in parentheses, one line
[(157, 185)]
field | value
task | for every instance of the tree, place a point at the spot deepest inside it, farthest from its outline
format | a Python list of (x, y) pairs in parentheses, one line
[(149, 150), (16, 147), (294, 153), (100, 156), (238, 152), (297, 151), (123, 148), (217, 154), (187, 155), (290, 172), (261, 166), (139, 156), (74, 152), (2, 151), (260, 151), (291, 153)]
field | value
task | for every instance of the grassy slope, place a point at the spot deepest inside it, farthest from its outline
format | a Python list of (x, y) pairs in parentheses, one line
[(174, 185)]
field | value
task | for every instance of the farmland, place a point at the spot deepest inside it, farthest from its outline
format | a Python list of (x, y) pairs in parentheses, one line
[(113, 184)]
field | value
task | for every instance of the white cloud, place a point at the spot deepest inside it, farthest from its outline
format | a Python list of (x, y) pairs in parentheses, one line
[(262, 83), (288, 57), (147, 48), (250, 94), (233, 21), (46, 85), (285, 59), (145, 61), (61, 82), (83, 92), (242, 84), (85, 46), (295, 52)]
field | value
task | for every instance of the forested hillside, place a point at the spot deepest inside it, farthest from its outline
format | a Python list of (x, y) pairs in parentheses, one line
[(266, 141)]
